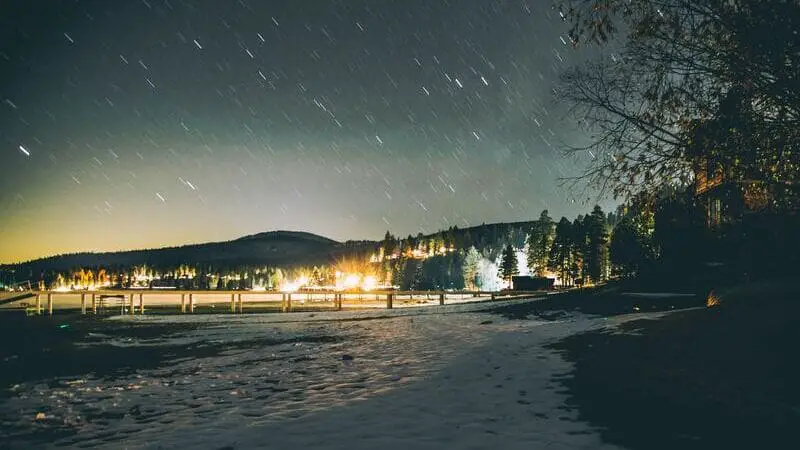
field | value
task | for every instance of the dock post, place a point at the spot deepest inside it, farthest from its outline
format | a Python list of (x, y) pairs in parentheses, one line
[(339, 301), (191, 303), (492, 296), (389, 299), (130, 305), (50, 303), (94, 304), (83, 303), (233, 303), (441, 299), (141, 303), (38, 304), (288, 302), (183, 303), (241, 304)]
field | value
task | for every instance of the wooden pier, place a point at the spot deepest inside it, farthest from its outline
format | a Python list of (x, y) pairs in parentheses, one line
[(137, 301)]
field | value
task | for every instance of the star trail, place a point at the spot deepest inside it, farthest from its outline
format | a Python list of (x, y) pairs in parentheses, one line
[(147, 123)]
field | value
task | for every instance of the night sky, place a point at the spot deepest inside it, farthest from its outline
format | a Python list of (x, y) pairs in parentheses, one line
[(143, 123)]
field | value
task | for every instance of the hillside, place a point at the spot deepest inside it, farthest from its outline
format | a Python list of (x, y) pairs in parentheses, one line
[(277, 248), (489, 238), (280, 248)]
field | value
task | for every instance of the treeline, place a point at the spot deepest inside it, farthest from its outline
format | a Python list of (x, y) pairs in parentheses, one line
[(185, 276), (484, 237), (589, 249), (696, 122), (486, 257)]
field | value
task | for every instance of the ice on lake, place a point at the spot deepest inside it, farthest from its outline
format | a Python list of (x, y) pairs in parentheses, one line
[(450, 377)]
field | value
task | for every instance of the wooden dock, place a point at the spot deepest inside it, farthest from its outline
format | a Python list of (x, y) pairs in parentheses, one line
[(137, 301)]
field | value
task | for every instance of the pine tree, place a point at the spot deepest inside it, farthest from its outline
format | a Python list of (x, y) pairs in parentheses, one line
[(470, 268), (597, 250), (531, 248), (627, 249), (578, 241), (508, 265), (317, 277), (539, 242), (561, 251), (417, 279)]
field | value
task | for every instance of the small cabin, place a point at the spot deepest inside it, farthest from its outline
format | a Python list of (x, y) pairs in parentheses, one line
[(528, 283)]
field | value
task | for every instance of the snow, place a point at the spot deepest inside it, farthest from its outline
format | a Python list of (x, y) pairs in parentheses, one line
[(419, 378), (656, 294)]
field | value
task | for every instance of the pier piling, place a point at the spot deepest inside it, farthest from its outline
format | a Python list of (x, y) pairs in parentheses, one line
[(83, 304), (50, 303)]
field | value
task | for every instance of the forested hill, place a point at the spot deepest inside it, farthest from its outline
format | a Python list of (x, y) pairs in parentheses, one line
[(274, 248), (483, 237), (285, 249)]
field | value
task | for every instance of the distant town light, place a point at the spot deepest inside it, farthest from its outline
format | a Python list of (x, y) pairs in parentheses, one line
[(293, 286), (369, 283), (351, 281)]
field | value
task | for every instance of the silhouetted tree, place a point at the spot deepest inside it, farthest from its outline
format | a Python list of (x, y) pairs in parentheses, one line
[(508, 264), (470, 268), (695, 80), (579, 244), (627, 249), (560, 260), (539, 242), (417, 276), (597, 240)]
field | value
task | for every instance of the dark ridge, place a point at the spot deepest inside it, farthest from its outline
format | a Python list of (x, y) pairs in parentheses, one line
[(287, 235), (284, 248)]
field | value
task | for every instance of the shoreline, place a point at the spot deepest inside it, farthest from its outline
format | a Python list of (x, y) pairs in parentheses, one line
[(701, 378)]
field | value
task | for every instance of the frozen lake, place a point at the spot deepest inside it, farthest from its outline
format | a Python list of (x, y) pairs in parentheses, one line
[(413, 378)]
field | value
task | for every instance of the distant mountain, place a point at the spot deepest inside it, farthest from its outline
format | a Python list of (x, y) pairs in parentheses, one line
[(273, 248)]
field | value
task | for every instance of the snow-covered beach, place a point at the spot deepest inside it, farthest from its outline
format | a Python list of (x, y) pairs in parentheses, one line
[(434, 377)]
